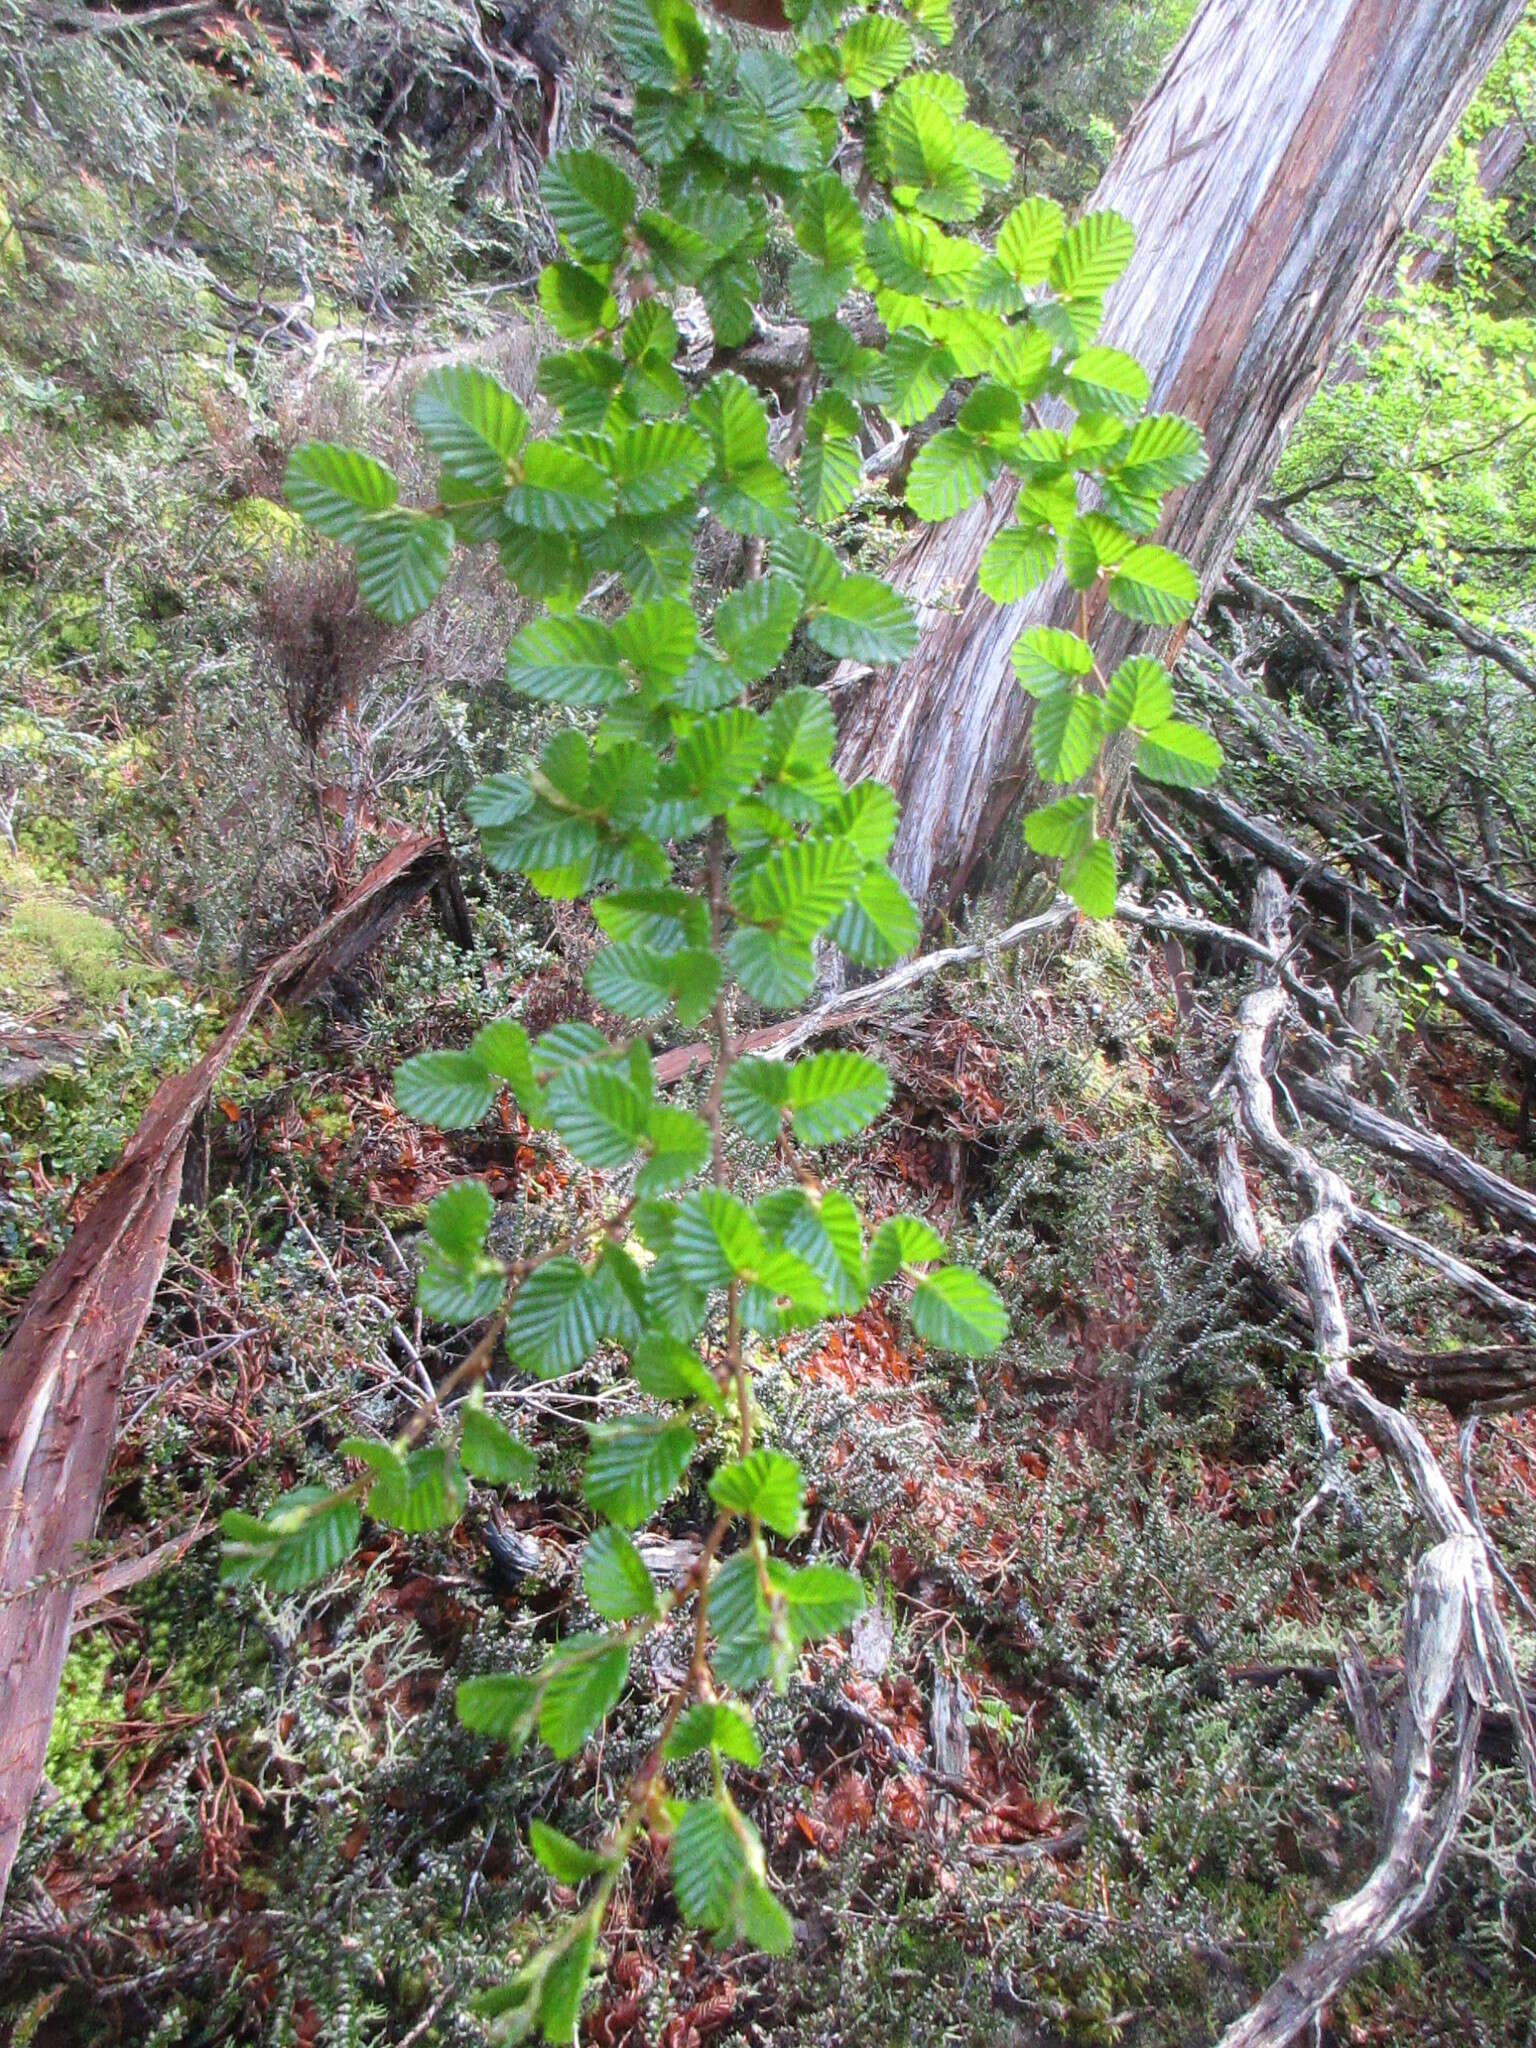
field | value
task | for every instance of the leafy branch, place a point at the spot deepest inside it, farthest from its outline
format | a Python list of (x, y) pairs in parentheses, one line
[(697, 809)]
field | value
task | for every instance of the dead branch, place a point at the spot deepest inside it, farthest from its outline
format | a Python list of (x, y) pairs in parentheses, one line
[(1494, 1001), (1455, 1650), (1424, 1151), (1426, 608)]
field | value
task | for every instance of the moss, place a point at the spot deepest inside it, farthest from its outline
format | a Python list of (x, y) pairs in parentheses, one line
[(264, 526), (53, 949)]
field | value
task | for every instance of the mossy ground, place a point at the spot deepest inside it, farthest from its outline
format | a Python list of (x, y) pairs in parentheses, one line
[(56, 954)]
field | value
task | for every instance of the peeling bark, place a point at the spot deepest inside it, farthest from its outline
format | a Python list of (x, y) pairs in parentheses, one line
[(62, 1369), (1268, 176)]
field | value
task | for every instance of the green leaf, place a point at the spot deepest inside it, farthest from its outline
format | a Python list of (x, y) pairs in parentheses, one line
[(590, 201), (458, 1219), (951, 472), (1140, 695), (913, 377), (582, 1682), (1060, 829), (560, 491), (502, 1049), (754, 625), (831, 467), (801, 735), (633, 1466), (618, 1586), (680, 1145), (864, 619), (954, 1309), (450, 1291), (1179, 754), (1154, 586), (402, 558), (500, 1705), (472, 425), (1162, 453), (302, 1536), (564, 1986), (597, 1115), (880, 924), (866, 816), (716, 1240), (1092, 256), (1046, 657), (576, 301), (669, 1371), (567, 1862), (754, 1095), (776, 971), (1064, 735), (421, 1491), (741, 1621), (833, 1095), (830, 233), (491, 1453), (709, 1864), (555, 1321), (657, 465), (873, 53), (809, 563), (636, 980), (820, 1599), (1089, 879), (1093, 543), (1016, 561), (800, 888), (662, 43), (902, 1241), (1106, 380), (765, 1484), (716, 1725), (1029, 238), (449, 1089), (337, 490), (722, 756), (567, 661)]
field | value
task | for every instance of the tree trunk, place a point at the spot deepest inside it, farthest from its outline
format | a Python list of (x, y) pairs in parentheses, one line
[(1268, 176)]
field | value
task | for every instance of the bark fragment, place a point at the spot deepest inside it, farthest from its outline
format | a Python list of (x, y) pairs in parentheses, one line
[(62, 1369)]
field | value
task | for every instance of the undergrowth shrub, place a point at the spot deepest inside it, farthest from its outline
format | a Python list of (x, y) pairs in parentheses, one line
[(688, 794)]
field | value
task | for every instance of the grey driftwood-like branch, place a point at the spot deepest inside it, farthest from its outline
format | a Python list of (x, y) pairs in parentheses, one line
[(1456, 1653)]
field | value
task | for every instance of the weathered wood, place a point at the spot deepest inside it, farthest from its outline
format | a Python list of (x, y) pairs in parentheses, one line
[(1425, 1151), (1268, 176), (1456, 1653)]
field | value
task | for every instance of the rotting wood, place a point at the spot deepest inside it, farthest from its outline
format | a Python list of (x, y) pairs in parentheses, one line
[(1268, 176), (61, 1370)]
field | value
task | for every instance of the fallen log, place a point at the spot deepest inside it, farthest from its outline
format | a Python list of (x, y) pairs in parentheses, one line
[(61, 1370)]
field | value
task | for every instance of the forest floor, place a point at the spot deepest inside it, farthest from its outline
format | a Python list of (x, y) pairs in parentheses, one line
[(1083, 1774)]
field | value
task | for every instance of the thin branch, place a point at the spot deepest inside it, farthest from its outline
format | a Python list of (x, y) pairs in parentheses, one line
[(1473, 638)]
